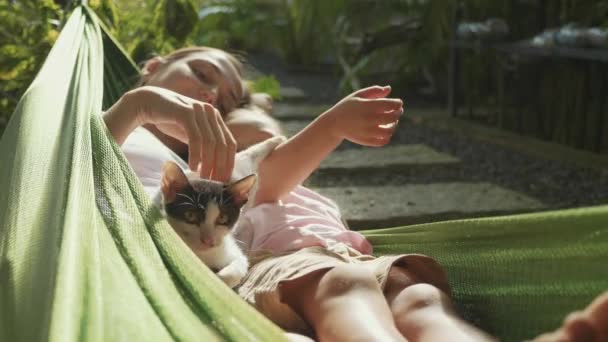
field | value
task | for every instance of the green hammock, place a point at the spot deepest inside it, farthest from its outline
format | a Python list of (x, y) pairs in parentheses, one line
[(85, 256)]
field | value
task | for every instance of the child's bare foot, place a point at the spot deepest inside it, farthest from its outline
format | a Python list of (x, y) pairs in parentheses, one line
[(589, 325)]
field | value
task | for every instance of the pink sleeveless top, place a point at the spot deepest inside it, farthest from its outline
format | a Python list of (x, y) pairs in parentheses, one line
[(303, 218)]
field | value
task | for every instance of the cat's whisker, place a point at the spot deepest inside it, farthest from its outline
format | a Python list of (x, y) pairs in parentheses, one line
[(187, 203), (184, 195), (225, 200)]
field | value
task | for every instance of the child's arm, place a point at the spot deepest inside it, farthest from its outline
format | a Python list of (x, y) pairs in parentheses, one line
[(357, 118), (251, 125)]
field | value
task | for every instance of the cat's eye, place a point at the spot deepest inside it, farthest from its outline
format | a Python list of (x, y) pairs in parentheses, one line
[(190, 216), (222, 219)]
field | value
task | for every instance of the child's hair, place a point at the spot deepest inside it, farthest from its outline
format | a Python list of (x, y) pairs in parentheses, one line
[(183, 52)]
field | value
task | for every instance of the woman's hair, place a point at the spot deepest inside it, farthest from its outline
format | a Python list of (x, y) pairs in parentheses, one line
[(183, 52)]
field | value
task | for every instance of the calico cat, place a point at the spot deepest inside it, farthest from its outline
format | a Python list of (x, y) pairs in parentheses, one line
[(203, 212)]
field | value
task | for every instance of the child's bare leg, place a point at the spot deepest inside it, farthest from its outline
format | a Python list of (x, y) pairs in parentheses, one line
[(422, 312), (292, 337), (342, 304), (589, 325)]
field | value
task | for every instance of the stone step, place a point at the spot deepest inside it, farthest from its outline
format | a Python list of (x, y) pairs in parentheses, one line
[(291, 127), (387, 157), (291, 111), (292, 94), (370, 207)]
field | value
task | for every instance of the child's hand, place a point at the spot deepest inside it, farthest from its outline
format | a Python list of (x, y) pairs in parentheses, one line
[(366, 117)]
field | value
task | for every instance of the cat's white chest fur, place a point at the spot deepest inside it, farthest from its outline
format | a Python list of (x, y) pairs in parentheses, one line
[(227, 259), (220, 256)]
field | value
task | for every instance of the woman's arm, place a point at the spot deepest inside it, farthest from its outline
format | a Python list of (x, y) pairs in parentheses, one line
[(196, 123), (365, 117), (121, 119)]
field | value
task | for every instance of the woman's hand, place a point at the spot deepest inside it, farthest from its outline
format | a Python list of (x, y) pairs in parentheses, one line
[(196, 123), (366, 117)]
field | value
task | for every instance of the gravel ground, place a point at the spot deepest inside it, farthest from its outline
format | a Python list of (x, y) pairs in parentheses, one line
[(556, 184)]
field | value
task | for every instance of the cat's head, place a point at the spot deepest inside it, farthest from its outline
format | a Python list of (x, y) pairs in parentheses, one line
[(202, 211)]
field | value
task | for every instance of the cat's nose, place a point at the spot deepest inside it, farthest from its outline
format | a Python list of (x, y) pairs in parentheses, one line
[(208, 242)]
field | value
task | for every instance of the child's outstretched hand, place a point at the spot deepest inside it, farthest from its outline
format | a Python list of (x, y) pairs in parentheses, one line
[(366, 117)]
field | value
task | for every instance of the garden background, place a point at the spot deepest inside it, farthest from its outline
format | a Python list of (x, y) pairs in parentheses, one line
[(404, 42)]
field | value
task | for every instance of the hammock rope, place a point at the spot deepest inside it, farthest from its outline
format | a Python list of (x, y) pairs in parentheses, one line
[(84, 254)]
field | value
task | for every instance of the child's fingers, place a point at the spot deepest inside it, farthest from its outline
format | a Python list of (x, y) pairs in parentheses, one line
[(374, 141), (384, 105), (382, 131), (373, 92), (387, 118)]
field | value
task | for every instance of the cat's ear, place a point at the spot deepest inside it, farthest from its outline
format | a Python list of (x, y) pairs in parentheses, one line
[(173, 180), (239, 190)]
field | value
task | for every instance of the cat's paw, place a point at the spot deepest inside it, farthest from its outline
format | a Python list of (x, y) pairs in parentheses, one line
[(230, 277), (275, 141)]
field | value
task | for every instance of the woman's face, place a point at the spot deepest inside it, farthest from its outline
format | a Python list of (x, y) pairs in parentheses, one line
[(207, 76)]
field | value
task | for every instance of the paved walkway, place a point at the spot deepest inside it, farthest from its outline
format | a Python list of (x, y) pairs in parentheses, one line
[(376, 206)]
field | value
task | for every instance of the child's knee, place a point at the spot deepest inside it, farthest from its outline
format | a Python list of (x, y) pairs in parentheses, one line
[(347, 278), (418, 301)]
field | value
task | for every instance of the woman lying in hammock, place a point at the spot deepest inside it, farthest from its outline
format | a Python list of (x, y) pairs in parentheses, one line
[(311, 275)]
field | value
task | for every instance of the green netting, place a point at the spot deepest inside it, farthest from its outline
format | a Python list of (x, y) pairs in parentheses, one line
[(515, 276), (84, 255)]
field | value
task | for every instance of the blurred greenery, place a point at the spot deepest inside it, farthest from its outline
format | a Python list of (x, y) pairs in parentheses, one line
[(27, 32), (404, 42), (266, 84)]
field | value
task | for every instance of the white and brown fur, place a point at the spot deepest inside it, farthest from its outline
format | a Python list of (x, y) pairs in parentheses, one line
[(203, 212)]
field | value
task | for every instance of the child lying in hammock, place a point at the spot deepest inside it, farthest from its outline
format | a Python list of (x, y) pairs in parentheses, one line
[(311, 275)]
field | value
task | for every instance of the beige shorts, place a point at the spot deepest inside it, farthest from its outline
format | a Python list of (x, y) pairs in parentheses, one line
[(261, 286)]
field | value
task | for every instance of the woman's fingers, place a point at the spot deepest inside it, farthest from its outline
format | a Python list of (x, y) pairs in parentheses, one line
[(203, 113), (219, 163), (190, 125), (231, 146)]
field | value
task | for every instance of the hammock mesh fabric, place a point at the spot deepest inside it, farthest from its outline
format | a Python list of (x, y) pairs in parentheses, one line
[(84, 255)]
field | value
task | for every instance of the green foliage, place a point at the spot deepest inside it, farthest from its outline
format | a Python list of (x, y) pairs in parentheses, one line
[(156, 27), (107, 11), (177, 19), (27, 33), (309, 29), (266, 84), (239, 24), (300, 30)]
